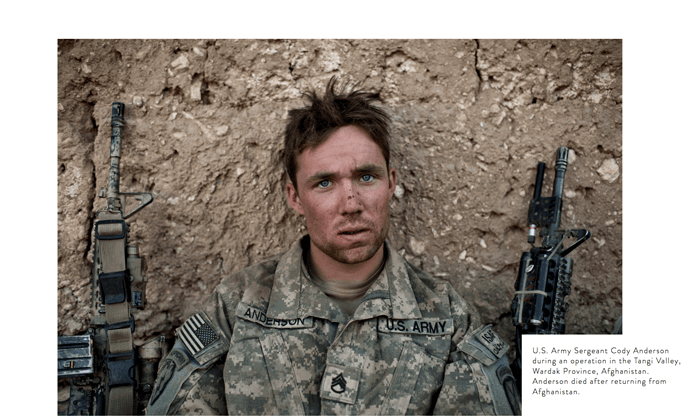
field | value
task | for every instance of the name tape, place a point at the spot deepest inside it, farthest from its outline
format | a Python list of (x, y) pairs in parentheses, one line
[(256, 315)]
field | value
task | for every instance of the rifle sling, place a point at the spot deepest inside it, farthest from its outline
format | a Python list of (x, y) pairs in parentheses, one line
[(111, 246)]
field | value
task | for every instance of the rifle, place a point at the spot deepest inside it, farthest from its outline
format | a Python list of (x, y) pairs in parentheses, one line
[(544, 274), (106, 373)]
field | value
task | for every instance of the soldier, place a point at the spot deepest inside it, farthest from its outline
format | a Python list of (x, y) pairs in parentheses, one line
[(340, 323)]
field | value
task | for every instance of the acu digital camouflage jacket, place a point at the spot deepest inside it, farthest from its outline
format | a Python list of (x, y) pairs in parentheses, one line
[(270, 342)]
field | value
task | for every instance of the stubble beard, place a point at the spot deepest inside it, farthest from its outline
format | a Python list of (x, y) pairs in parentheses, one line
[(350, 255)]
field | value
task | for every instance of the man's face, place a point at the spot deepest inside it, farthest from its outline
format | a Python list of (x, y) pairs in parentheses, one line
[(343, 191)]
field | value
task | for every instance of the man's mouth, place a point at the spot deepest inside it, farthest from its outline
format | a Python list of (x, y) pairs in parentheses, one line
[(352, 232)]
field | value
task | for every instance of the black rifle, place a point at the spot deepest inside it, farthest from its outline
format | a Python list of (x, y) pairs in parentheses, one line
[(544, 275), (106, 373)]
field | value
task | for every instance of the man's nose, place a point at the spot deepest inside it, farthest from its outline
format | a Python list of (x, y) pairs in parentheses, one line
[(350, 202)]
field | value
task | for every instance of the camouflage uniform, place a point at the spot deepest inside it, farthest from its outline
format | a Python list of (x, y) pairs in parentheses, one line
[(269, 342)]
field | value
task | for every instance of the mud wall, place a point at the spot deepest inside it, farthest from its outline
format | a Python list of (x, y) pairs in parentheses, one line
[(472, 118)]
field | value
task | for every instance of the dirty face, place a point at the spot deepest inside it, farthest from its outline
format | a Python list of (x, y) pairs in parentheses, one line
[(344, 189)]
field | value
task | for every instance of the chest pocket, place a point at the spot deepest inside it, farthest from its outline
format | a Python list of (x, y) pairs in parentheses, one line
[(260, 374), (341, 384), (281, 372), (403, 383), (418, 374)]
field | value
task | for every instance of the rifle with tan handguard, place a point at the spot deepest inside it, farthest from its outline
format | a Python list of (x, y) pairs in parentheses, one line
[(106, 373)]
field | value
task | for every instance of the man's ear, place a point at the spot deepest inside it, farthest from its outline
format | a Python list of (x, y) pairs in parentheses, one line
[(293, 199), (392, 180)]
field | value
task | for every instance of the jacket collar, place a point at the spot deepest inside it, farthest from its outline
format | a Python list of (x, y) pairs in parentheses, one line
[(294, 296)]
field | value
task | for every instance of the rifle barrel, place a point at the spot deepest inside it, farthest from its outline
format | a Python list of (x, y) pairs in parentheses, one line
[(558, 191), (115, 149), (560, 170)]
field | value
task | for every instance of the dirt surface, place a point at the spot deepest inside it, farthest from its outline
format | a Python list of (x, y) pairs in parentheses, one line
[(472, 118)]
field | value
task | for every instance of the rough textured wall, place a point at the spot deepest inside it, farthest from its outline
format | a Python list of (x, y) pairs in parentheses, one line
[(204, 122)]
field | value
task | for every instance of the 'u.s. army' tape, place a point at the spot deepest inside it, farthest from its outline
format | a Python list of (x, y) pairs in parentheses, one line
[(426, 326)]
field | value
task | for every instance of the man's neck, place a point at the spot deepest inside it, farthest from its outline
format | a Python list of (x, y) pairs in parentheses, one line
[(326, 268)]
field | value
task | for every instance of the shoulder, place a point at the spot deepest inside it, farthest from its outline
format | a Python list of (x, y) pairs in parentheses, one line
[(471, 337), (252, 284), (426, 287), (477, 379), (198, 349), (193, 366), (424, 282), (478, 341), (485, 353)]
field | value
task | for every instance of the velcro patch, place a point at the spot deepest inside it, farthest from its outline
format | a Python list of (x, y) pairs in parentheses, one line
[(197, 334), (179, 357), (340, 383), (484, 345), (252, 314), (492, 341), (427, 326)]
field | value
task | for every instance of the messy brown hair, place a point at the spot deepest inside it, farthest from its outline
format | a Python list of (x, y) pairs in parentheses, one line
[(310, 126)]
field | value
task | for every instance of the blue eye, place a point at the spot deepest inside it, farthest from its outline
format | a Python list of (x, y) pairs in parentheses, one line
[(367, 177), (323, 184)]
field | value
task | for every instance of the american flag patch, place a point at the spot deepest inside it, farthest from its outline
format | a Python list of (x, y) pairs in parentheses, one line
[(196, 334)]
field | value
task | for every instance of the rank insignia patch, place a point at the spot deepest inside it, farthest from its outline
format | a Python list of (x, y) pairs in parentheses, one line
[(338, 384), (196, 334)]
